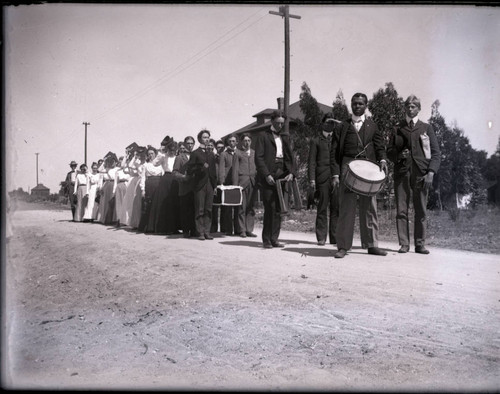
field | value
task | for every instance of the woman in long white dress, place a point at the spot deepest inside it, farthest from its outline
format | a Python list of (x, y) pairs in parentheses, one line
[(132, 202), (122, 179), (91, 209), (81, 192)]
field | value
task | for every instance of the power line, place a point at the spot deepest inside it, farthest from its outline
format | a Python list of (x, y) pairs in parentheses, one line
[(183, 66)]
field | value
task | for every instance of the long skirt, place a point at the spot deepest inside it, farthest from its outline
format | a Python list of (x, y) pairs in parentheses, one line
[(82, 199), (165, 206), (120, 191), (135, 215), (92, 206), (107, 203), (150, 188), (128, 201)]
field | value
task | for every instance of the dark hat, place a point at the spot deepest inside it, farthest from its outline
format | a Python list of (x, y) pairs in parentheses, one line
[(167, 141), (141, 149), (111, 155), (108, 154), (133, 146), (73, 163)]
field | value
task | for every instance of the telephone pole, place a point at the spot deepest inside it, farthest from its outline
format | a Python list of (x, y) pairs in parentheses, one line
[(85, 158), (284, 12), (37, 168)]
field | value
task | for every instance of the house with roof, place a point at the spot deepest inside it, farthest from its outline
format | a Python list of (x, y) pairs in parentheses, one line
[(263, 120), (40, 191)]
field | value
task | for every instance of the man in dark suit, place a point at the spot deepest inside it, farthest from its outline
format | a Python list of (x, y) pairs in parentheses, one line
[(359, 138), (186, 195), (274, 160), (69, 186), (225, 177), (244, 173), (320, 180), (414, 149), (201, 166)]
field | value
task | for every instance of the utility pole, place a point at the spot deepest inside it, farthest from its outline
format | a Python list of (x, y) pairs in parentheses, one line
[(85, 158), (37, 168), (284, 12)]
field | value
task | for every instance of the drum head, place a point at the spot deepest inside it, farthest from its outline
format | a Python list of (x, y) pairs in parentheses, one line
[(367, 170)]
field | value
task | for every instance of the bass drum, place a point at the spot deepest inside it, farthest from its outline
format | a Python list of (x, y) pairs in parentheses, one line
[(364, 177)]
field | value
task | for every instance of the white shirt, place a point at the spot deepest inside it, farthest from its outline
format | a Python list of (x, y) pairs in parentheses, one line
[(279, 145), (415, 120), (326, 134), (358, 121), (80, 180), (165, 161), (149, 169)]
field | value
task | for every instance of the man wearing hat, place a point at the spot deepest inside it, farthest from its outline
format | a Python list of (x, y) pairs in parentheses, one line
[(274, 160), (320, 180), (70, 185)]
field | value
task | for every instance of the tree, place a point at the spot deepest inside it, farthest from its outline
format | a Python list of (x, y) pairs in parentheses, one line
[(387, 110), (460, 169), (340, 110), (303, 133), (491, 170)]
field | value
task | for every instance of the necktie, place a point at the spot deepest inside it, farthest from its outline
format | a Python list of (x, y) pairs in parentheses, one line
[(412, 124)]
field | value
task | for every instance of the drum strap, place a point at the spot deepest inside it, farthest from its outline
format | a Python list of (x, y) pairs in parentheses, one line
[(361, 144)]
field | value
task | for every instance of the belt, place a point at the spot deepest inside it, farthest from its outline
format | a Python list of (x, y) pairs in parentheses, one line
[(278, 160), (153, 176), (124, 180), (82, 185)]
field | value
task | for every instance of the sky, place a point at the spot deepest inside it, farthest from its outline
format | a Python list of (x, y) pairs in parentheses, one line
[(138, 73)]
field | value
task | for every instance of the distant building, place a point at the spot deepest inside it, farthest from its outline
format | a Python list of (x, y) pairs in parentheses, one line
[(40, 191), (263, 119)]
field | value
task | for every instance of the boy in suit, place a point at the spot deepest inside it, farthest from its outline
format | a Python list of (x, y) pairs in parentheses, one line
[(414, 149)]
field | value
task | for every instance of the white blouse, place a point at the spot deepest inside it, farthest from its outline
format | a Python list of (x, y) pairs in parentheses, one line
[(165, 161), (149, 169), (80, 180)]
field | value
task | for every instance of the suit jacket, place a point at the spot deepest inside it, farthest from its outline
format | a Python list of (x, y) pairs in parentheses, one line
[(265, 156), (224, 172), (318, 167), (371, 137), (186, 182), (201, 166), (68, 189), (407, 138), (244, 170)]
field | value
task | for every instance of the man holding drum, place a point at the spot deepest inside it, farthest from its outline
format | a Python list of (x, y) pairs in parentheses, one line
[(358, 139), (414, 150)]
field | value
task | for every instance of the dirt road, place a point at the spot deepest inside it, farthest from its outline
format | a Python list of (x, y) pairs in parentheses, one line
[(89, 306)]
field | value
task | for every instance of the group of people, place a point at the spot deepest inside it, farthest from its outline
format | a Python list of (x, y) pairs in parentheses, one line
[(172, 190), (414, 150)]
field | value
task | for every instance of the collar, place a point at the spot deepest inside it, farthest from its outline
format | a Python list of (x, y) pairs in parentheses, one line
[(275, 133), (415, 119), (327, 134), (361, 118)]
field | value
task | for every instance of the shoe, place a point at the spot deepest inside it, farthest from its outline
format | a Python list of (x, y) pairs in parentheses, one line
[(333, 242), (229, 234), (404, 249), (376, 251), (268, 246), (321, 243), (201, 237), (421, 250), (251, 235), (243, 235), (340, 254), (208, 236), (277, 245)]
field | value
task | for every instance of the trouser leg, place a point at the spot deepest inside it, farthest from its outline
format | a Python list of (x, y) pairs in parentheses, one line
[(402, 193), (347, 214), (368, 221), (322, 212)]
